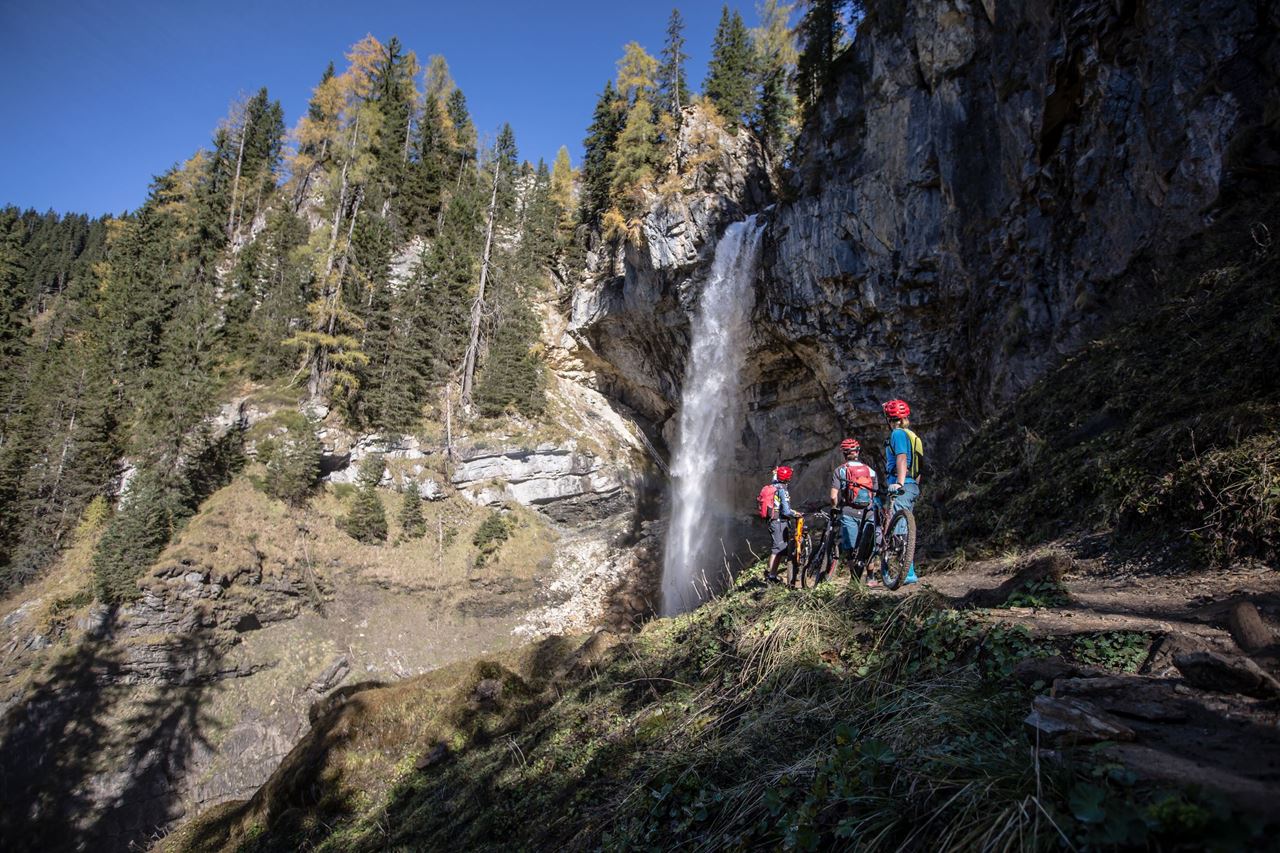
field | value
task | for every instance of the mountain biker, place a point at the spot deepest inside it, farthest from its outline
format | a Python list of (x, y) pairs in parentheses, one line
[(904, 461), (780, 516), (853, 486)]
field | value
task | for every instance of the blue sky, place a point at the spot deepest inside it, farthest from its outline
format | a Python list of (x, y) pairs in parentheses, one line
[(100, 96)]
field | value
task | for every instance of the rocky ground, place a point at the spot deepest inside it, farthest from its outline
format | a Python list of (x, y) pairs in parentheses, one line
[(1182, 686)]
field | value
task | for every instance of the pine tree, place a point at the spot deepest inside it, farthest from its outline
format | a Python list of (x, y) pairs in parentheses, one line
[(512, 376), (776, 56), (506, 160), (315, 135), (292, 461), (729, 83), (561, 191), (423, 199), (367, 287), (540, 243), (821, 31), (637, 73), (59, 438), (597, 164), (150, 510), (367, 519), (331, 343), (412, 524), (268, 296), (395, 96), (673, 89), (636, 157), (448, 273), (464, 132), (13, 326)]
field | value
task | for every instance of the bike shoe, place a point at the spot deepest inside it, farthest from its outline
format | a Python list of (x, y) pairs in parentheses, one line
[(911, 576)]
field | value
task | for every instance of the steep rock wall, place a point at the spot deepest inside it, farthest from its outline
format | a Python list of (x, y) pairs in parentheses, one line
[(983, 174), (982, 185)]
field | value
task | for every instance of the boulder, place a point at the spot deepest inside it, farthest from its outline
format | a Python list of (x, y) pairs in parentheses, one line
[(1226, 674), (1057, 722)]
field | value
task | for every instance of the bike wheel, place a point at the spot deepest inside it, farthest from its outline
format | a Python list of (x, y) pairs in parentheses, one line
[(801, 558), (811, 569), (899, 551)]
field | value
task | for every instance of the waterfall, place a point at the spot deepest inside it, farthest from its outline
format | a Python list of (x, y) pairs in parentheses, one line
[(710, 421)]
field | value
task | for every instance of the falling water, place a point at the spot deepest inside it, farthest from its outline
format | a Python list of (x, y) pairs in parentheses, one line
[(710, 421)]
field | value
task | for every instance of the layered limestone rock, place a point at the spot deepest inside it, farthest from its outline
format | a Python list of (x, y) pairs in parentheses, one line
[(566, 484)]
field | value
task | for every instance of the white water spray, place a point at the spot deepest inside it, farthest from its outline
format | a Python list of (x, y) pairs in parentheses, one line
[(710, 421)]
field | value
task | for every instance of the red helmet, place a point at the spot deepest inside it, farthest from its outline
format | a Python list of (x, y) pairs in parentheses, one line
[(896, 409), (850, 444), (784, 473)]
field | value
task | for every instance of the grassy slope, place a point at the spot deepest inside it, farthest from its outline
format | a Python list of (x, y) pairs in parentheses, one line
[(763, 719)]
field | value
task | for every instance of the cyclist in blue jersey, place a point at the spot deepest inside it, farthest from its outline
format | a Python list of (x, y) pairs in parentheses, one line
[(904, 463)]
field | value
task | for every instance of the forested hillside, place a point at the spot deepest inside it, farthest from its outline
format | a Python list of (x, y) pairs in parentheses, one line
[(375, 253)]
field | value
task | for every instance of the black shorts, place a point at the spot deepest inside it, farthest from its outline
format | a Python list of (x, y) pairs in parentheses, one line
[(780, 530)]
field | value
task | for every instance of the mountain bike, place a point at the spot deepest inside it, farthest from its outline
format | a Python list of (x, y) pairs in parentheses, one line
[(823, 548), (895, 551), (801, 546), (866, 547)]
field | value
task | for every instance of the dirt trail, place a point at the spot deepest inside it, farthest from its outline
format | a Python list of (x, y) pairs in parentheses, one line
[(1199, 710), (1196, 604)]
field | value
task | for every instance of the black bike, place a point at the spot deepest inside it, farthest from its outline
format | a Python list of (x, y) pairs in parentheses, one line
[(895, 550), (823, 547)]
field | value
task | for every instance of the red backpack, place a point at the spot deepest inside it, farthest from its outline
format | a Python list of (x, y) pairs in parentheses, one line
[(766, 500), (859, 482)]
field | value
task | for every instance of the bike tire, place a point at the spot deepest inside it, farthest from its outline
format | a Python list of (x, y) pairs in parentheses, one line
[(898, 552), (809, 571), (796, 567)]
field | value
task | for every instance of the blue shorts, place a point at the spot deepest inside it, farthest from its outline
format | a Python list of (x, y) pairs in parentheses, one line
[(906, 500), (849, 517)]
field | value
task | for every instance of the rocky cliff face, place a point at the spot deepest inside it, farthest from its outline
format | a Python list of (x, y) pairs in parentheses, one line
[(630, 318), (982, 184), (985, 174)]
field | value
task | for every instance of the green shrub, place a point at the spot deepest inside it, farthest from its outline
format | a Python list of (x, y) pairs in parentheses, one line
[(367, 520), (489, 536), (412, 524), (1120, 650), (1226, 501), (292, 460)]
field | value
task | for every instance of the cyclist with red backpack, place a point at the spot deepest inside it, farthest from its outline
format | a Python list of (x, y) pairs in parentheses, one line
[(853, 487), (775, 506), (904, 463)]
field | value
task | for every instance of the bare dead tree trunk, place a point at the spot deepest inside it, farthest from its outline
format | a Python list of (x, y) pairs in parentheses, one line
[(477, 307), (448, 432), (319, 362), (235, 184), (440, 541)]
